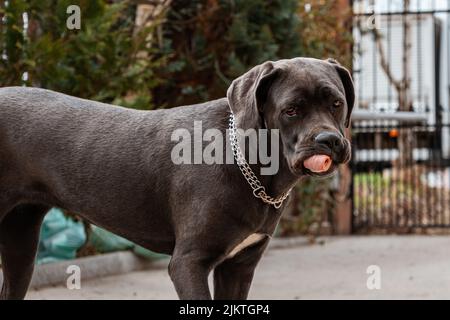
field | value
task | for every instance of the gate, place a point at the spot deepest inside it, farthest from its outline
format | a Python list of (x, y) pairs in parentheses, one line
[(401, 127)]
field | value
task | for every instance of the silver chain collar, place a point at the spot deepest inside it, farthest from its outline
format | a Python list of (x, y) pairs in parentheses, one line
[(258, 190)]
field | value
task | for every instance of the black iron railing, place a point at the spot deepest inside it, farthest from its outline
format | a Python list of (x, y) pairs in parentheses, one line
[(401, 169), (401, 176)]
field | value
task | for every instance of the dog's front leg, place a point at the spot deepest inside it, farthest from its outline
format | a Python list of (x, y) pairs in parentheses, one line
[(189, 274), (233, 277)]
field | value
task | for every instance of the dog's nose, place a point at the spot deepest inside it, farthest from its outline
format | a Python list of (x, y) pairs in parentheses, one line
[(331, 140)]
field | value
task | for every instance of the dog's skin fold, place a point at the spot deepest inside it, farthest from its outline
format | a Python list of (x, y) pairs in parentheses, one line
[(113, 167)]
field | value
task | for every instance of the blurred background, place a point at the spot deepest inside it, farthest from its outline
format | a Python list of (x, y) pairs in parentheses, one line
[(166, 53)]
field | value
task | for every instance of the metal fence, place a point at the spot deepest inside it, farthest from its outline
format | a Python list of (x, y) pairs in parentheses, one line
[(389, 193), (401, 169)]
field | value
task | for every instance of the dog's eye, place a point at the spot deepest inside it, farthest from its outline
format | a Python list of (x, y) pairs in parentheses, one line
[(337, 104), (291, 112)]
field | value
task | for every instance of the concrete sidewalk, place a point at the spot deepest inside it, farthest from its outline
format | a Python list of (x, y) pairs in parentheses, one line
[(412, 267)]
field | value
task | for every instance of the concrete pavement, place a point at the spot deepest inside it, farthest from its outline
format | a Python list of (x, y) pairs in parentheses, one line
[(412, 267)]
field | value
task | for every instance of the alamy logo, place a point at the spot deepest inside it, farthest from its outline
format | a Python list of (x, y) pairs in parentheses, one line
[(374, 279), (213, 147), (73, 22), (373, 21), (74, 280)]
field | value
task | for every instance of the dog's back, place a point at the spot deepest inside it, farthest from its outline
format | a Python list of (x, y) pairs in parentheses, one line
[(78, 154)]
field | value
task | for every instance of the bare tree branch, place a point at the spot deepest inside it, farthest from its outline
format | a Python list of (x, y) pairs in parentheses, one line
[(403, 85), (383, 61)]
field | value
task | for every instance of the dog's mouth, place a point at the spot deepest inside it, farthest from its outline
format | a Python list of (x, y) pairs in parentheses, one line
[(315, 165), (322, 174)]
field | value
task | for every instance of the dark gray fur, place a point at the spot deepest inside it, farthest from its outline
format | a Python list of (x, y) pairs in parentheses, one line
[(112, 166)]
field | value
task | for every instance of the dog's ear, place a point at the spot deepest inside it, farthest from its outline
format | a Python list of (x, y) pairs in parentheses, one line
[(247, 94), (349, 88)]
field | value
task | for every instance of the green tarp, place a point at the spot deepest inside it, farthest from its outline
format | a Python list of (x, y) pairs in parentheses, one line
[(61, 237)]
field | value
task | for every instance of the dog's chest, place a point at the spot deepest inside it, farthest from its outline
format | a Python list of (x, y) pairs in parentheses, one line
[(247, 242)]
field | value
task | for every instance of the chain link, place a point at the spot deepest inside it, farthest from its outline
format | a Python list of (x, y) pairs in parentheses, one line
[(258, 190)]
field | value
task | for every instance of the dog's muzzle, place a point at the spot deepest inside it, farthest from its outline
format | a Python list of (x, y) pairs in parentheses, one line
[(331, 141)]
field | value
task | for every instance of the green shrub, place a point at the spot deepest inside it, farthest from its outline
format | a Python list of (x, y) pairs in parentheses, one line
[(211, 42), (107, 60)]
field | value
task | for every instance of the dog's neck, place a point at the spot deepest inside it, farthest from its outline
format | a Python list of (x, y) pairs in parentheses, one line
[(276, 185), (281, 182)]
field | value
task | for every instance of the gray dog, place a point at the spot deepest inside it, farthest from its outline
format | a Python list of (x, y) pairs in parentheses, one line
[(113, 167)]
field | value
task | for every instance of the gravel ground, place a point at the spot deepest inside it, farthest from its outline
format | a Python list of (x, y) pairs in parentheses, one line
[(412, 267)]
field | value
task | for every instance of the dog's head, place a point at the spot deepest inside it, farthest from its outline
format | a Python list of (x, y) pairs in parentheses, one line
[(308, 100)]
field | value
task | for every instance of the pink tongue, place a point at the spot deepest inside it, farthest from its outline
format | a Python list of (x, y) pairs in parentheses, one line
[(318, 163)]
